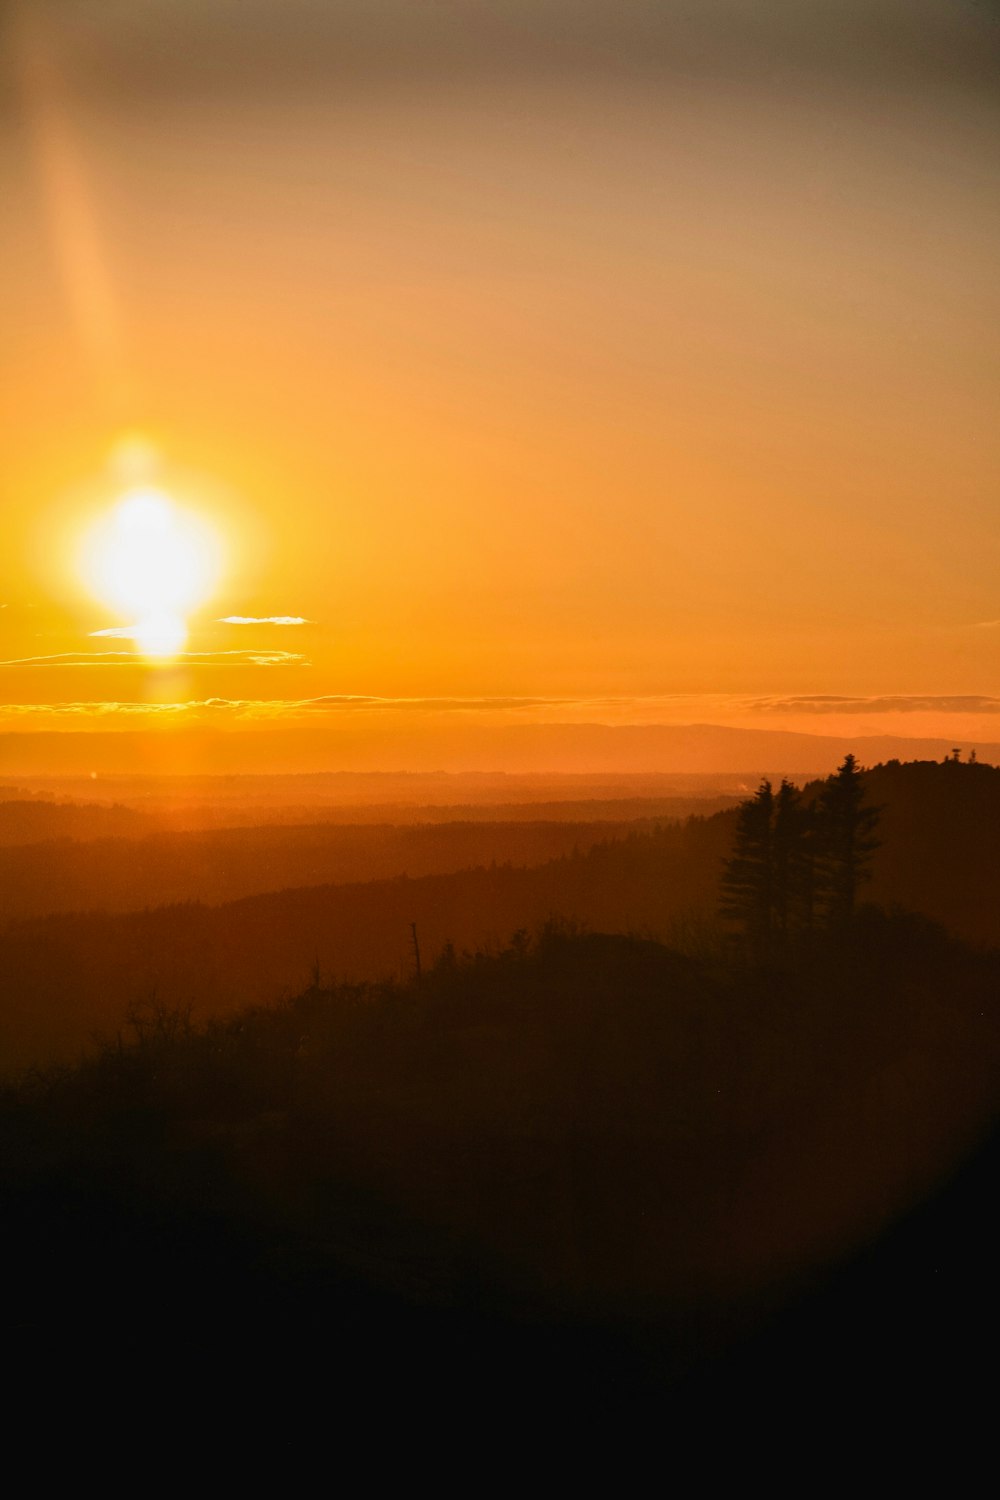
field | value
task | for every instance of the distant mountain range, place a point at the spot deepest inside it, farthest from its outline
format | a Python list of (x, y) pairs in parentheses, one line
[(460, 746)]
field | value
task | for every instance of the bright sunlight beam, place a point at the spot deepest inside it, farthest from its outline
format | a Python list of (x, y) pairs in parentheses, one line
[(155, 563)]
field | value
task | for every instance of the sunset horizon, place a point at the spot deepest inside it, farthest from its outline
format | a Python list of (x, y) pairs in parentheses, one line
[(476, 404), (500, 726)]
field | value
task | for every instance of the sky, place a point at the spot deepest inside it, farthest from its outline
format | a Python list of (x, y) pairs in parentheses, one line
[(541, 360)]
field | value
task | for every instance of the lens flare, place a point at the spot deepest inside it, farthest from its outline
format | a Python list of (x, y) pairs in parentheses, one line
[(154, 562), (160, 635)]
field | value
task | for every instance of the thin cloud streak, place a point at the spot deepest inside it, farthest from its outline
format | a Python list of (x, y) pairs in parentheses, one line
[(676, 709), (909, 703), (264, 620), (132, 658), (285, 707), (335, 702)]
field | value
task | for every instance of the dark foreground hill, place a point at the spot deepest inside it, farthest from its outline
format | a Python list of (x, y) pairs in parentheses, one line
[(586, 1177), (65, 977)]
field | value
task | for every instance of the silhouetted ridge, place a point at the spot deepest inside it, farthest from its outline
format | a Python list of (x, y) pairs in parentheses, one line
[(584, 1145), (69, 976)]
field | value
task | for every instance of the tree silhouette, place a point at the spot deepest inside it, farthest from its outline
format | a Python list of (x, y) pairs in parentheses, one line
[(794, 855), (793, 860), (748, 874), (846, 835)]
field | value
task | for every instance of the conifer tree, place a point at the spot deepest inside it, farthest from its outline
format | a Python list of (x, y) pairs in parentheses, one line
[(791, 860), (748, 874), (847, 837), (793, 852)]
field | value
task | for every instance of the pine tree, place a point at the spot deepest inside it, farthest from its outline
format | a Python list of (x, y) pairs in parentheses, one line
[(793, 882), (847, 841), (792, 860), (748, 874)]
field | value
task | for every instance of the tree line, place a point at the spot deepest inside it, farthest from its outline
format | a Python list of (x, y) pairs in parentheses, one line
[(798, 864)]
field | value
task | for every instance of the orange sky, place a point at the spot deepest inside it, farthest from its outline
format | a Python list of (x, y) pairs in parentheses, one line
[(639, 359)]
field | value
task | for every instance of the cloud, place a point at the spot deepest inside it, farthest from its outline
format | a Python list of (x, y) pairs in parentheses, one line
[(131, 658), (675, 710), (74, 659), (276, 708), (97, 710), (907, 703), (257, 658), (665, 707), (264, 620), (346, 702)]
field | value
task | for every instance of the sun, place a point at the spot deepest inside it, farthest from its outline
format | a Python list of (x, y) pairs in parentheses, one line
[(154, 562), (160, 635)]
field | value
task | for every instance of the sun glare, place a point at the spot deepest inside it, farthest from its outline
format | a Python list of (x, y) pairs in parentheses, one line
[(160, 635), (154, 562)]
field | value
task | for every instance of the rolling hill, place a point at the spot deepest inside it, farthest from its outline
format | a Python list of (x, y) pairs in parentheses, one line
[(938, 857)]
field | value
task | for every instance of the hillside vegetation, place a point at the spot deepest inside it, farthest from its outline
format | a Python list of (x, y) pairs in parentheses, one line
[(66, 976), (581, 1132), (587, 1167), (130, 874)]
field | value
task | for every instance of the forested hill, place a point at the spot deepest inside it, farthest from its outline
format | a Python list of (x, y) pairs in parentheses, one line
[(218, 865), (34, 820), (940, 843), (67, 976)]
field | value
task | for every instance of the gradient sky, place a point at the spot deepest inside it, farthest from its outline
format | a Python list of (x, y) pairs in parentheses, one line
[(633, 362)]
